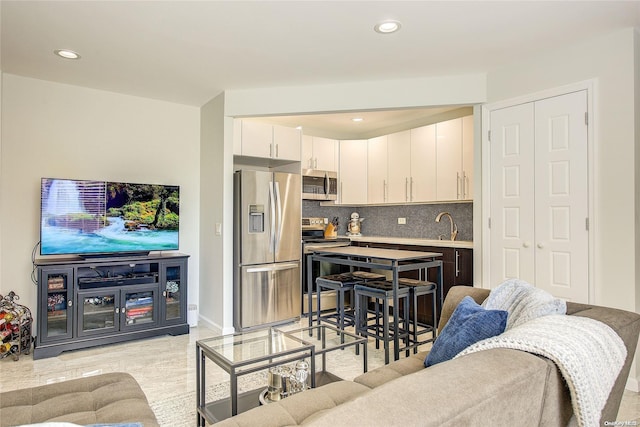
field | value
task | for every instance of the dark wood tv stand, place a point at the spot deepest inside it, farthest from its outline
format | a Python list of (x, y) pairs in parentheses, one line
[(90, 302)]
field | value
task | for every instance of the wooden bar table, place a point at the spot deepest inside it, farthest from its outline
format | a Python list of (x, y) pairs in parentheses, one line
[(394, 260)]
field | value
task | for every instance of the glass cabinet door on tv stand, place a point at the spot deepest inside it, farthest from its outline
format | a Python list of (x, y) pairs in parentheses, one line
[(108, 311), (139, 307), (56, 304), (174, 296), (97, 312)]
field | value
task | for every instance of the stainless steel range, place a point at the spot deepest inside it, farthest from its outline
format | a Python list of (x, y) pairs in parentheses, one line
[(312, 239)]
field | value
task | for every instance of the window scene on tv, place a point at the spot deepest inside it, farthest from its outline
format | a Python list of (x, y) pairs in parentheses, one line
[(98, 217)]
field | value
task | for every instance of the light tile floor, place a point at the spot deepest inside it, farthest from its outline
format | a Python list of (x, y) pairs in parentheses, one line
[(165, 366)]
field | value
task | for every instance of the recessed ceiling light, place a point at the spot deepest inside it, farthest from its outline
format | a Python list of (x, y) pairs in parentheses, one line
[(357, 119), (387, 27), (298, 127), (67, 54)]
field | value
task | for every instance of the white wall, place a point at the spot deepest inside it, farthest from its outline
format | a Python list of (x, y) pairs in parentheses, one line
[(56, 130), (610, 61), (216, 163), (637, 160), (384, 94)]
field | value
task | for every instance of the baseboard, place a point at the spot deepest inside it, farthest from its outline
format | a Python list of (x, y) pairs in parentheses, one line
[(213, 325)]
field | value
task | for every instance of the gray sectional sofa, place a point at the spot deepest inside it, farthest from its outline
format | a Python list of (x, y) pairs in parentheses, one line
[(101, 399), (493, 387)]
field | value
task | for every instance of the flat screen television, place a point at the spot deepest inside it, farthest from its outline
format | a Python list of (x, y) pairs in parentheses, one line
[(100, 218)]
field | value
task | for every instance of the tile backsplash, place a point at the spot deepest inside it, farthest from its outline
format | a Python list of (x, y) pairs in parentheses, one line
[(383, 220)]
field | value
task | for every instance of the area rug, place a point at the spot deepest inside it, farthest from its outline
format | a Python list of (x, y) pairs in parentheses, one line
[(180, 410)]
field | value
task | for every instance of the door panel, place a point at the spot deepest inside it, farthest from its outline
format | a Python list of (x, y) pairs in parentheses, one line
[(288, 232), (269, 293), (255, 209), (512, 221), (287, 292), (562, 196), (353, 172), (377, 170), (449, 156), (423, 163), (539, 195), (399, 171)]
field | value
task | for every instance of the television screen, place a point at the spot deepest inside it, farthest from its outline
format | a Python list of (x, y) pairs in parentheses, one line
[(97, 217)]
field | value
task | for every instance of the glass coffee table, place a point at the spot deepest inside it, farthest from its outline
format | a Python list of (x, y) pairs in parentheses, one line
[(326, 338), (248, 352), (241, 354)]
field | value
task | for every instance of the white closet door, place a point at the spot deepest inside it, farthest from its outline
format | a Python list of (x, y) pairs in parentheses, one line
[(561, 196), (512, 187)]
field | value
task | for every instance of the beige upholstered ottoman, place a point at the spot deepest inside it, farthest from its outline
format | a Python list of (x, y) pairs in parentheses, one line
[(108, 398)]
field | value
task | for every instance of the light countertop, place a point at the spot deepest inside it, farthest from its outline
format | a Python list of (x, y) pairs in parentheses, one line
[(465, 244), (377, 253)]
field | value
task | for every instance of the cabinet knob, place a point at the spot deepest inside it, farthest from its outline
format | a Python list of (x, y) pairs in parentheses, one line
[(540, 246), (526, 244)]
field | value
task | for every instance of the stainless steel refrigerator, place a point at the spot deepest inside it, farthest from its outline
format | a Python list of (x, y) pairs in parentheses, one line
[(267, 248)]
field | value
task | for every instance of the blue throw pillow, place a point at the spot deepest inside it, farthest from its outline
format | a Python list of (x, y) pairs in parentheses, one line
[(468, 324)]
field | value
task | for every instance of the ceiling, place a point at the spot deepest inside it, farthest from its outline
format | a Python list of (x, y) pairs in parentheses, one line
[(190, 51)]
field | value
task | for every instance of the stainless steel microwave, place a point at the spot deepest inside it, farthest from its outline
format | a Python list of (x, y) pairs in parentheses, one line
[(319, 184)]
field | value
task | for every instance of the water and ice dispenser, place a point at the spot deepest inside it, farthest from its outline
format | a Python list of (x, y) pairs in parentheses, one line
[(256, 218)]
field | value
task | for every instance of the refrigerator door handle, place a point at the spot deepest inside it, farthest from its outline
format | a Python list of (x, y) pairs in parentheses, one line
[(272, 229), (278, 236), (273, 267)]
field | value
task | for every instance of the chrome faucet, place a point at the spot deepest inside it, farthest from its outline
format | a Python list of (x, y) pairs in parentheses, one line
[(454, 227)]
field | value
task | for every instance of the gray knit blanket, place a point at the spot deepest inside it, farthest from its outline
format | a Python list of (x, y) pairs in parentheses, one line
[(588, 353), (523, 302)]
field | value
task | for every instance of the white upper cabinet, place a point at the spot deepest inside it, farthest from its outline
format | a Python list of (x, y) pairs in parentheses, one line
[(256, 139), (286, 143), (467, 157), (353, 172), (423, 164), (431, 163), (319, 153), (266, 141), (400, 173), (377, 169), (450, 175)]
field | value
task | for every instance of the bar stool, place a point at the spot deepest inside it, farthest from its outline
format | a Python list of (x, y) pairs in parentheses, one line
[(368, 276), (381, 292), (342, 283), (420, 288)]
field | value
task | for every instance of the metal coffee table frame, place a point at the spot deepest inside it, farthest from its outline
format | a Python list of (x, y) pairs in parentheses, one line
[(217, 350), (346, 339)]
